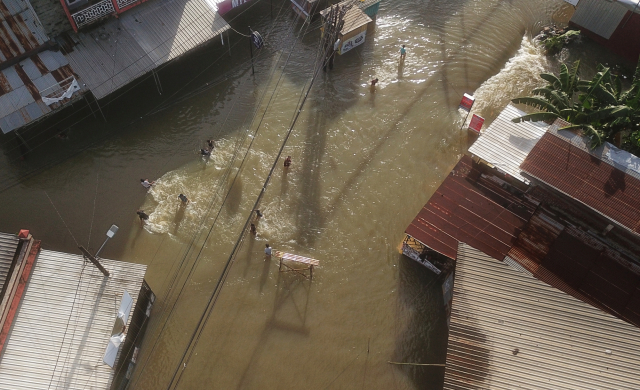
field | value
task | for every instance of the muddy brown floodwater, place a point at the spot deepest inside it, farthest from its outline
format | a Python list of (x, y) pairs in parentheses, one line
[(364, 163)]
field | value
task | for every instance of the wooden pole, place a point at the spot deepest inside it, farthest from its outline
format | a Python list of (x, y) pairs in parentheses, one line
[(94, 261)]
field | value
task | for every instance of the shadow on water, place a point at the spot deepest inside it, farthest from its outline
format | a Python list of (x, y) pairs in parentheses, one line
[(421, 316), (289, 315)]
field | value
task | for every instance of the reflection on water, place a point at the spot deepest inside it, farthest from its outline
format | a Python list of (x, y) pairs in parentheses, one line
[(364, 162)]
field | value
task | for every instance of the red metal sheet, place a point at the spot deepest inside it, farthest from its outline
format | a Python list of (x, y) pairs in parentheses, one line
[(470, 209), (587, 179)]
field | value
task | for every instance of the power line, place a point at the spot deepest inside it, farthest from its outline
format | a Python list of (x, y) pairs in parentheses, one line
[(215, 294)]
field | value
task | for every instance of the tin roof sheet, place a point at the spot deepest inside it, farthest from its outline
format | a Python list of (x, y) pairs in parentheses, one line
[(578, 174), (8, 247), (600, 17), (20, 98), (20, 29), (354, 19), (21, 32), (510, 330), (473, 207), (121, 50), (505, 144), (64, 323)]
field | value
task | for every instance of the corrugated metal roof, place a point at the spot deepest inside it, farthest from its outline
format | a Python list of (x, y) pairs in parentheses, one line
[(354, 19), (579, 263), (123, 49), (473, 207), (601, 152), (26, 83), (599, 16), (559, 341), (505, 144), (8, 247), (22, 32), (20, 29), (64, 323), (576, 173)]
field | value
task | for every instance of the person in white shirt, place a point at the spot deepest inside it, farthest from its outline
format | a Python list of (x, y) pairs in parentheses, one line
[(146, 183), (267, 250)]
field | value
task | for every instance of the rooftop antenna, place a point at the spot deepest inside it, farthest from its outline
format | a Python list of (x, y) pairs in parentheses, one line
[(112, 232)]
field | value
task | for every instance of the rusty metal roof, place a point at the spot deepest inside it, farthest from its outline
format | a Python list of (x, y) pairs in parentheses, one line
[(580, 263), (509, 330), (557, 239), (584, 177), (23, 84), (474, 207)]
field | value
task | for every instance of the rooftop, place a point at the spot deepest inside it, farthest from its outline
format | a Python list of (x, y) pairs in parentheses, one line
[(475, 206), (153, 33), (65, 347), (506, 144), (510, 330), (28, 71), (586, 177), (558, 240)]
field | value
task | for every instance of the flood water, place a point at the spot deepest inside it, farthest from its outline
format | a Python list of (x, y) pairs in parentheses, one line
[(364, 163)]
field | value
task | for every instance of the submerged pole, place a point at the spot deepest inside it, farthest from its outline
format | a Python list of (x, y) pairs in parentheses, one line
[(253, 71)]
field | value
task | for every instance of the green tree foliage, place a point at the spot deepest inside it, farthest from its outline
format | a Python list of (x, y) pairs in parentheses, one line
[(599, 107)]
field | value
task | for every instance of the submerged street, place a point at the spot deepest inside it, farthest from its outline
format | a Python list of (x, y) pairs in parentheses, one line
[(364, 161)]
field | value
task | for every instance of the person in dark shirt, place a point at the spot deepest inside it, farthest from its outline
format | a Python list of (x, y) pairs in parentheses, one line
[(287, 162), (184, 199), (143, 216), (205, 152)]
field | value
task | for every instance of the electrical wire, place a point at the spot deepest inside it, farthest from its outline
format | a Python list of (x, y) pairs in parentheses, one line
[(215, 294)]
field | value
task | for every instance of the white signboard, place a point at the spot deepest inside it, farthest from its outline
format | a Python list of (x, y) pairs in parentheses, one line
[(572, 2), (353, 42)]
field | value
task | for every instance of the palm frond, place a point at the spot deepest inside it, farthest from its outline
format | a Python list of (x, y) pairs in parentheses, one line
[(536, 102), (536, 117)]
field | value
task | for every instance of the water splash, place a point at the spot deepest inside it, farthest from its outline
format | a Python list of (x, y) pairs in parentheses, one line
[(517, 78)]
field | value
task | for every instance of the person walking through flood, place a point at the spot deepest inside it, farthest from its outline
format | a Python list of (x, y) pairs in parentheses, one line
[(211, 144), (254, 231), (205, 152), (143, 216), (146, 183), (287, 162), (403, 53), (267, 250), (183, 199)]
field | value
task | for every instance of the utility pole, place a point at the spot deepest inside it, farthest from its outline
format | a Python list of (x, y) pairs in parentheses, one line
[(333, 25), (92, 259)]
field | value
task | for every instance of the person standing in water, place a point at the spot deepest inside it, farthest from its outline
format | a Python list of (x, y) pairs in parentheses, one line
[(143, 216), (287, 162), (184, 199), (146, 183), (254, 231), (403, 53), (205, 152), (267, 250), (211, 144)]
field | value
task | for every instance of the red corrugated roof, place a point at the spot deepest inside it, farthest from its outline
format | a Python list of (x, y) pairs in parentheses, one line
[(473, 208), (587, 179)]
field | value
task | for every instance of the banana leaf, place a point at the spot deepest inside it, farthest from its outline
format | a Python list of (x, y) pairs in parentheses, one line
[(536, 117)]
